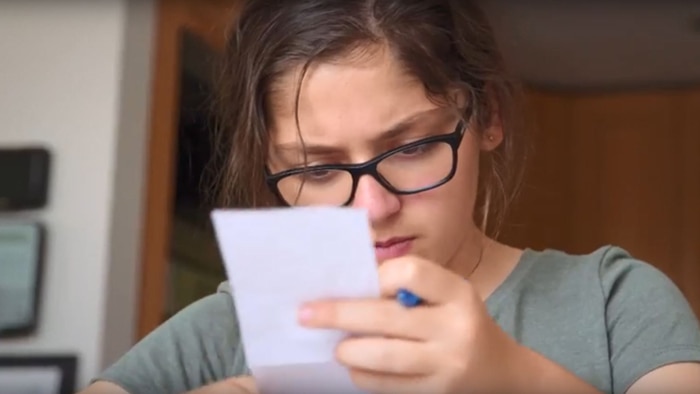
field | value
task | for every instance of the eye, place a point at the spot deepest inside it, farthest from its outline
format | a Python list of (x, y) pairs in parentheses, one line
[(319, 175), (414, 151)]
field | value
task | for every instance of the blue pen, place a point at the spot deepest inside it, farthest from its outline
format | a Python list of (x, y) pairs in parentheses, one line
[(407, 298)]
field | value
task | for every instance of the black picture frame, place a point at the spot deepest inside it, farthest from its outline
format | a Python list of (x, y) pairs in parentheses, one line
[(25, 174), (68, 365)]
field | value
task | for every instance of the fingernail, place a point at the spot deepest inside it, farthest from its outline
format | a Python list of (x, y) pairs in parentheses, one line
[(306, 314)]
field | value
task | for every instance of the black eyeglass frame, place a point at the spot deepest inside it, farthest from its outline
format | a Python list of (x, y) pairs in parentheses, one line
[(453, 139)]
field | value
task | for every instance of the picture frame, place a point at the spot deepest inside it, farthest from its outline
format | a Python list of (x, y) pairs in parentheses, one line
[(22, 244), (38, 374)]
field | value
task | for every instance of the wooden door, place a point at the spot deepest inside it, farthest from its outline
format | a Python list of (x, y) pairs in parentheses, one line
[(207, 19)]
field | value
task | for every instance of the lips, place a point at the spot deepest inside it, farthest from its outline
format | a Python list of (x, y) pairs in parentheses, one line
[(392, 248)]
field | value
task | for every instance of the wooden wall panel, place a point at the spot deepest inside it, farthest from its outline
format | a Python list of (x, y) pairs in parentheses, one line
[(627, 173), (546, 193), (689, 233)]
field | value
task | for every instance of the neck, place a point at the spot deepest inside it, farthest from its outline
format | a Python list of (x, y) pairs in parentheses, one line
[(469, 255), (484, 262)]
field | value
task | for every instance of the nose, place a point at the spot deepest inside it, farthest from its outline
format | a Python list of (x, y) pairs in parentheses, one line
[(373, 197)]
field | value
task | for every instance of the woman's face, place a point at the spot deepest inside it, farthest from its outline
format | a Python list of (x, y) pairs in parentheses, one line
[(352, 111)]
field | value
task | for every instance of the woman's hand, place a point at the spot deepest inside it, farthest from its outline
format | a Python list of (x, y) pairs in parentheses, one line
[(449, 344)]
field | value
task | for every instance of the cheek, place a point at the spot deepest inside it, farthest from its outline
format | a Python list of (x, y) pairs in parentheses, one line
[(467, 174), (464, 183), (454, 200)]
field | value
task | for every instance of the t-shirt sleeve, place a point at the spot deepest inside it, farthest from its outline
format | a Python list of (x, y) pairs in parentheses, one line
[(650, 324), (197, 346)]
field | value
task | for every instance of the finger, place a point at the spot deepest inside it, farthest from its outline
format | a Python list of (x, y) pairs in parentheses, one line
[(387, 355), (431, 282), (370, 317), (380, 383)]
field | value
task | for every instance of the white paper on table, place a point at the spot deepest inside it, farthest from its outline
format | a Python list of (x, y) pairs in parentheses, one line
[(277, 259)]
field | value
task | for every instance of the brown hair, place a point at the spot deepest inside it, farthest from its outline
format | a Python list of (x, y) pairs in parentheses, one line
[(446, 44)]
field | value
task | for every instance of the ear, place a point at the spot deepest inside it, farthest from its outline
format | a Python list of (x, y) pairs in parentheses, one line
[(492, 137)]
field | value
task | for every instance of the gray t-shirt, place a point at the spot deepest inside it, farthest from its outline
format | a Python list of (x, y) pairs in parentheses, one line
[(605, 316)]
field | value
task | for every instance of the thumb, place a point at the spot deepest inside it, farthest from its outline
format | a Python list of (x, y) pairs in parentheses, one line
[(242, 385), (237, 385)]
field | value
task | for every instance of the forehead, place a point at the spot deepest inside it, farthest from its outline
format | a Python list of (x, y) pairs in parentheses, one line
[(347, 100)]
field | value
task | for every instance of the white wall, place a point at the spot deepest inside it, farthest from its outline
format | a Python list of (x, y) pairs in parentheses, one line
[(75, 76)]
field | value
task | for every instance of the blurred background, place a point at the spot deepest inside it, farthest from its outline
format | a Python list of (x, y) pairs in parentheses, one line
[(116, 93)]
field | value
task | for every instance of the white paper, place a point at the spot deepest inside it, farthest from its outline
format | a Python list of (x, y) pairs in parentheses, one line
[(277, 259), (30, 380)]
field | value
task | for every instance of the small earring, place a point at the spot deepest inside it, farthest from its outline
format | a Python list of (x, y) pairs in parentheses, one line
[(490, 137)]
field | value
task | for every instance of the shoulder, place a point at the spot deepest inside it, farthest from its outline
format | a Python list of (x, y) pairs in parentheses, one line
[(213, 315), (563, 261), (197, 346), (611, 269), (620, 280), (647, 320)]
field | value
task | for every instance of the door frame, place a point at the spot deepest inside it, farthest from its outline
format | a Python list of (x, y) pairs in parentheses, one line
[(208, 20)]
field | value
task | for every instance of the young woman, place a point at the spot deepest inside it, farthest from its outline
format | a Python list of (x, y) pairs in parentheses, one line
[(403, 108)]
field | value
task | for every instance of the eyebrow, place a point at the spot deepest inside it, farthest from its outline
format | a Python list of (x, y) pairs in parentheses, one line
[(393, 132)]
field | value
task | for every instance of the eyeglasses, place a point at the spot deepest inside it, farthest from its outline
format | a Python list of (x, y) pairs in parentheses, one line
[(408, 169)]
